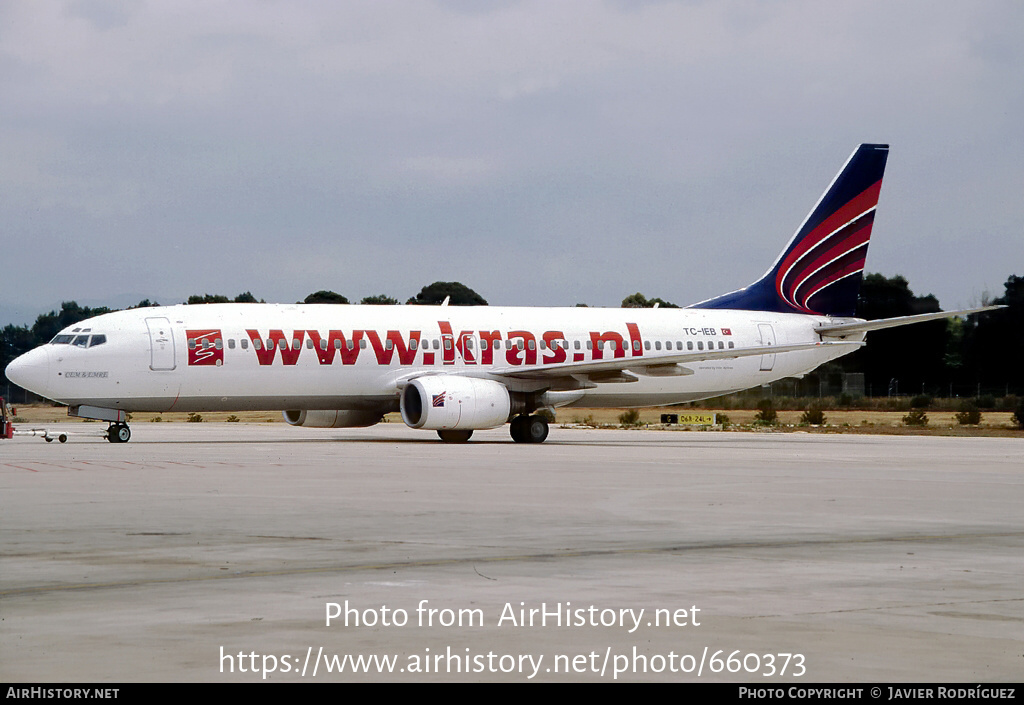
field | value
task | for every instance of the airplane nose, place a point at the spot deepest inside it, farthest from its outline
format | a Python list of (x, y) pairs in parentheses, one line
[(31, 371)]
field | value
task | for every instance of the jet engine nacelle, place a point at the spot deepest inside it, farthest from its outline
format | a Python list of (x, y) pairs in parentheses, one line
[(448, 402), (332, 419)]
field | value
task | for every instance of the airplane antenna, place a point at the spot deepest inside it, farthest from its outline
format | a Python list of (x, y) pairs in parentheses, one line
[(446, 300)]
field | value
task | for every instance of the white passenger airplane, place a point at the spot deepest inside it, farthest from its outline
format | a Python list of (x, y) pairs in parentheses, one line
[(456, 369)]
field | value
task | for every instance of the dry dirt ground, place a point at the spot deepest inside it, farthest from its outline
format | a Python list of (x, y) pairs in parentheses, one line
[(995, 423)]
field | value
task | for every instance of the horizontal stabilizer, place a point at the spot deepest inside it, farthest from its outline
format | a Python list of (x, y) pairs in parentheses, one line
[(843, 329)]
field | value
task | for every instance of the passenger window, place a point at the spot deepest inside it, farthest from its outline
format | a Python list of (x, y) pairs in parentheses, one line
[(206, 344), (721, 345), (309, 343), (531, 344), (191, 343), (388, 344), (412, 344), (350, 344), (447, 343), (647, 345), (700, 344), (231, 343), (245, 344), (437, 344), (219, 344), (362, 345), (689, 345), (657, 345), (257, 344), (590, 345), (731, 346), (636, 345), (296, 344)]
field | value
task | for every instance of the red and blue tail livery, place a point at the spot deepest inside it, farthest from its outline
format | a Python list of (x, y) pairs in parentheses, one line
[(821, 268)]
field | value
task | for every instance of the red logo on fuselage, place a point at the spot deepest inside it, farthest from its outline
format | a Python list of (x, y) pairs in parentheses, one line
[(205, 347)]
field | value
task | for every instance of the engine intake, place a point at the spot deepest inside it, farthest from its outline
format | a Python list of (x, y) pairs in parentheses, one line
[(448, 402)]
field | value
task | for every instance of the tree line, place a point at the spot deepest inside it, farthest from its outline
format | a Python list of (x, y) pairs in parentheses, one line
[(981, 354)]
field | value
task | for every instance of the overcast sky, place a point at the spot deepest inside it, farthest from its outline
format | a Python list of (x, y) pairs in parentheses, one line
[(542, 153)]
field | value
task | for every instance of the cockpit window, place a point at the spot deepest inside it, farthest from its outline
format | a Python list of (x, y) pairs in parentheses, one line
[(81, 341)]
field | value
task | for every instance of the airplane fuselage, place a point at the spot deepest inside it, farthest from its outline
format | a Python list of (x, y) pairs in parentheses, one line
[(285, 357), (459, 369)]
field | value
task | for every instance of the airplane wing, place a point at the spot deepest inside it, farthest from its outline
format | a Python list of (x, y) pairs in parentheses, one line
[(857, 326), (624, 369)]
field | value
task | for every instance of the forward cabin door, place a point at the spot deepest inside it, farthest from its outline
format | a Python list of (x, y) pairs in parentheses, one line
[(161, 344), (767, 338)]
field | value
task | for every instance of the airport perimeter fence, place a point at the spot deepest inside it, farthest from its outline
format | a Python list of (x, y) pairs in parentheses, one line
[(848, 391)]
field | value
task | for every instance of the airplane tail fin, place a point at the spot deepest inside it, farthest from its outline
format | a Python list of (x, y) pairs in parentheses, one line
[(821, 268)]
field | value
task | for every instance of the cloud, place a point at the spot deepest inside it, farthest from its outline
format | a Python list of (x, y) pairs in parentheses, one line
[(600, 148)]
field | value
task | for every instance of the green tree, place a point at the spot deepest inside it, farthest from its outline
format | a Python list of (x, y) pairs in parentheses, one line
[(993, 344), (638, 300), (766, 413), (48, 324), (208, 299), (379, 300), (245, 297), (461, 295), (913, 355), (325, 297)]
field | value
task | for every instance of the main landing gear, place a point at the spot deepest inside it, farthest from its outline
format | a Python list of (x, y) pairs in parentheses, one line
[(524, 429), (119, 433), (529, 429)]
